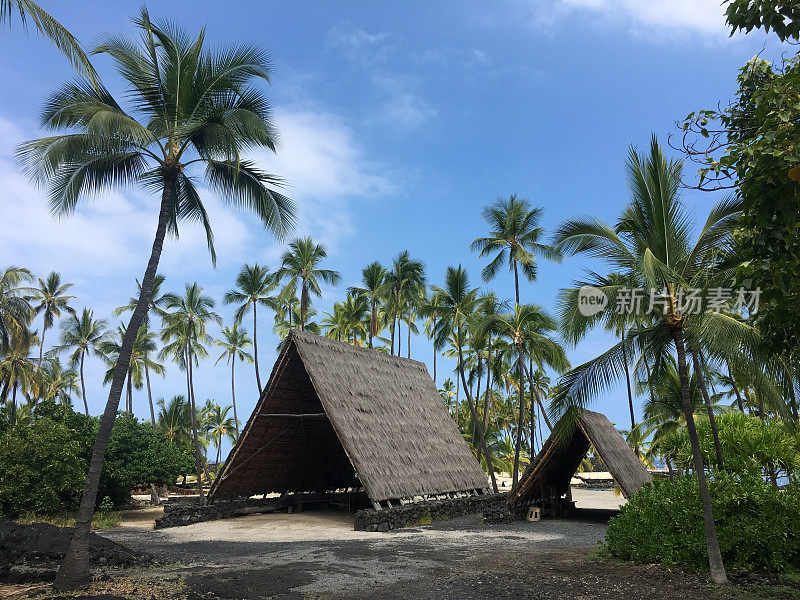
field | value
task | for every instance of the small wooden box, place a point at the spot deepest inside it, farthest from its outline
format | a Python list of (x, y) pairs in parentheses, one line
[(534, 514)]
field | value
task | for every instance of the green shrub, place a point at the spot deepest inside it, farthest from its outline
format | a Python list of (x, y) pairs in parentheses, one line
[(758, 525), (41, 468), (43, 463)]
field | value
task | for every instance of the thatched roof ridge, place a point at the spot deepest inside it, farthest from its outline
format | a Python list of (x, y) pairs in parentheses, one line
[(384, 423), (550, 472)]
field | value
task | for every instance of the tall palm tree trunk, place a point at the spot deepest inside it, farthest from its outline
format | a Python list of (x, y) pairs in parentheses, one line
[(41, 348), (255, 358), (516, 282), (714, 556), (303, 305), (707, 401), (481, 436), (533, 418), (198, 456), (74, 571), (233, 395), (13, 407), (477, 403), (433, 338), (628, 383), (83, 387), (735, 389), (408, 345), (149, 393), (129, 395), (373, 323), (520, 422), (529, 375)]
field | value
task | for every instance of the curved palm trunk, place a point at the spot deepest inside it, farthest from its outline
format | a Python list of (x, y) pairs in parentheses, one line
[(149, 393), (518, 442), (529, 375), (83, 387), (735, 389), (255, 360), (74, 571), (233, 396), (714, 556), (711, 418), (473, 411), (41, 347)]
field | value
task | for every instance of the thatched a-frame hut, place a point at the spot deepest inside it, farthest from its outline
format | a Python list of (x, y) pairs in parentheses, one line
[(334, 416), (549, 474)]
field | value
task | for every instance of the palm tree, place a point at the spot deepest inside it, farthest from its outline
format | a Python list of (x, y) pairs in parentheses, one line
[(184, 333), (356, 315), (50, 298), (57, 383), (405, 280), (300, 265), (174, 420), (335, 323), (218, 425), (526, 329), (54, 31), (447, 391), (143, 347), (430, 310), (82, 336), (234, 343), (515, 237), (459, 303), (651, 243), (373, 277), (198, 107), (158, 302), (253, 286), (15, 309), (17, 372)]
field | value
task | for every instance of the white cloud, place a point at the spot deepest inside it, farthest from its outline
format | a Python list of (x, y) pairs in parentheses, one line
[(358, 46), (640, 17), (110, 236)]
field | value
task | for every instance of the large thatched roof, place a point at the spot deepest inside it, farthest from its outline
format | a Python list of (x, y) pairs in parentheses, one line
[(333, 415), (550, 472)]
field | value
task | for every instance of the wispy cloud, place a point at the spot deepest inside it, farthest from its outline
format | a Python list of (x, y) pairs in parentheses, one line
[(402, 105), (652, 19)]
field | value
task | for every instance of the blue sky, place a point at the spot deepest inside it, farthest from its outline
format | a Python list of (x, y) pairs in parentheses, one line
[(399, 122)]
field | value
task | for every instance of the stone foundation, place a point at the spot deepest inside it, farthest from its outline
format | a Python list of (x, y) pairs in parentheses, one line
[(424, 513)]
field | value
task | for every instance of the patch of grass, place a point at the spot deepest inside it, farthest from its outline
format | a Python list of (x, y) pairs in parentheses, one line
[(765, 592), (103, 519)]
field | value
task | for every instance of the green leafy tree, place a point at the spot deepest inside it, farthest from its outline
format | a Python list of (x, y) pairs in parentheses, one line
[(174, 420), (57, 383), (515, 238), (300, 266), (198, 107), (219, 425), (527, 329), (652, 243), (157, 304), (49, 300), (81, 337), (185, 333), (404, 282), (253, 286), (235, 343), (459, 303), (15, 309), (373, 277)]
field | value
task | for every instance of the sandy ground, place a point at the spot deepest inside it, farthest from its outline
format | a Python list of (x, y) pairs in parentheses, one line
[(317, 554)]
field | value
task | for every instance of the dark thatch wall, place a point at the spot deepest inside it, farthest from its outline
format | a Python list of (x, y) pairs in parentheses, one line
[(385, 422), (550, 472)]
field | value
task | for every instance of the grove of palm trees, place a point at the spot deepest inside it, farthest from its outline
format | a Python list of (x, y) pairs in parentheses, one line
[(129, 375)]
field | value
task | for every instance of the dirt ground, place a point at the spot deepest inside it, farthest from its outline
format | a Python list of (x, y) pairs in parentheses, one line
[(318, 555)]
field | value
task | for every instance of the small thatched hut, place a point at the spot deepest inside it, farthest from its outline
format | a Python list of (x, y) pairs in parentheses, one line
[(548, 476), (334, 416)]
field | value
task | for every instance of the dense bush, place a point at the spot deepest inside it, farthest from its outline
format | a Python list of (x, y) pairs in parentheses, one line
[(41, 468), (750, 446), (758, 525), (43, 463)]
